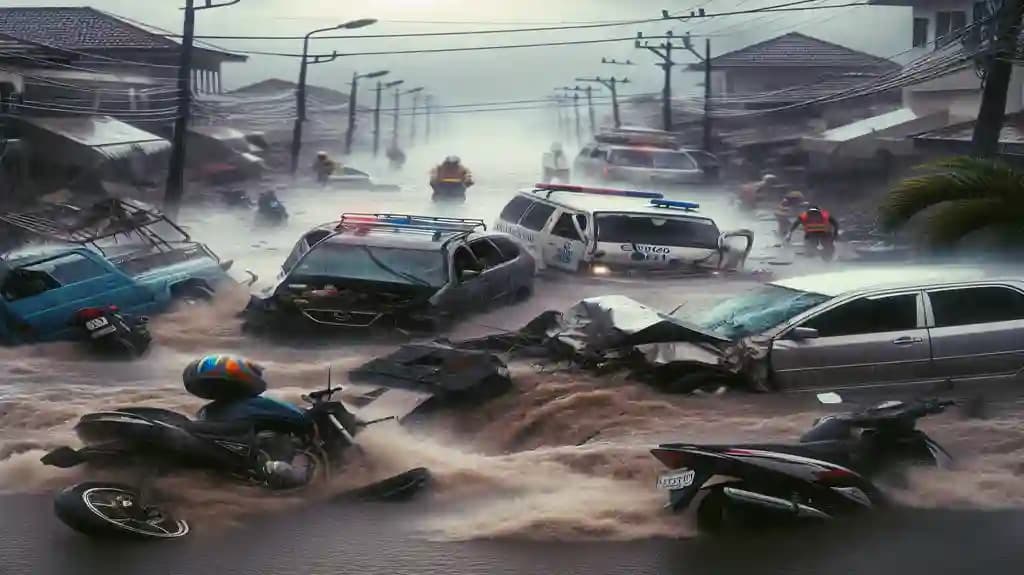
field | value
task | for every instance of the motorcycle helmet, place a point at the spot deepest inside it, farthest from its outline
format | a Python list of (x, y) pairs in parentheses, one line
[(452, 160), (224, 377)]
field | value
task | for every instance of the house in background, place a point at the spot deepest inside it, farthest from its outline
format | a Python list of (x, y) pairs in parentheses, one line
[(792, 76), (939, 109)]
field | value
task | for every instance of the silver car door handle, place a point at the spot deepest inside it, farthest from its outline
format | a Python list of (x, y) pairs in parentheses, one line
[(907, 340)]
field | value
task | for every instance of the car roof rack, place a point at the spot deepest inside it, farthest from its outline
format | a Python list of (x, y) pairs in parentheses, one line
[(86, 226), (675, 204), (436, 226), (549, 188)]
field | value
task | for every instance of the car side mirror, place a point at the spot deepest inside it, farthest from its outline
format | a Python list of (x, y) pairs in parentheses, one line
[(469, 275), (802, 333)]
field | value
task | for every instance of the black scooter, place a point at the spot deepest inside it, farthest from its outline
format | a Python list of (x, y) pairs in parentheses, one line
[(110, 334), (828, 474), (159, 439), (449, 190)]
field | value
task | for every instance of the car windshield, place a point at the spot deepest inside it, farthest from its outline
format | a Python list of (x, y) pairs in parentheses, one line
[(384, 264), (756, 311), (646, 229)]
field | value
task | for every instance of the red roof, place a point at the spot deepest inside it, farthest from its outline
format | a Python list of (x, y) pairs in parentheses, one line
[(796, 50)]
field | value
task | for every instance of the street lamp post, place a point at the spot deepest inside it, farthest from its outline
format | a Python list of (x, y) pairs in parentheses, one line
[(376, 113), (398, 106), (300, 91), (352, 103)]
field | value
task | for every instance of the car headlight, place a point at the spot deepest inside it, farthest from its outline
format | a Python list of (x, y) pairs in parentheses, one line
[(600, 270)]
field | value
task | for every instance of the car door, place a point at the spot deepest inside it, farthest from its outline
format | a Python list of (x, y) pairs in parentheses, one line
[(533, 228), (563, 247), (73, 281), (977, 332), (869, 340), (468, 290), (496, 274)]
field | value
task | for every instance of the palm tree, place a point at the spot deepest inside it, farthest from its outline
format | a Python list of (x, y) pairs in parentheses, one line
[(963, 195)]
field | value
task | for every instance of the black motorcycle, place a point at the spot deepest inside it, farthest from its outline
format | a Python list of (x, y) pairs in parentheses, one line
[(110, 334), (449, 190), (156, 439), (828, 474)]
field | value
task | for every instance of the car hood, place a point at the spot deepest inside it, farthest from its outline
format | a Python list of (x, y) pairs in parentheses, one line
[(346, 287)]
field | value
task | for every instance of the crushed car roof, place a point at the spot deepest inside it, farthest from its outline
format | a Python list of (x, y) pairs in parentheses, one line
[(860, 279)]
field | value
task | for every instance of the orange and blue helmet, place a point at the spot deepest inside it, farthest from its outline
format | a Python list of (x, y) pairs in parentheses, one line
[(220, 377)]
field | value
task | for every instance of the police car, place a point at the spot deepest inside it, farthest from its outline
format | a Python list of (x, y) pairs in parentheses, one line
[(392, 270), (601, 231)]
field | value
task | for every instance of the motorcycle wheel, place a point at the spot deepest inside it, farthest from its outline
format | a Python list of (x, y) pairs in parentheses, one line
[(711, 513), (102, 509)]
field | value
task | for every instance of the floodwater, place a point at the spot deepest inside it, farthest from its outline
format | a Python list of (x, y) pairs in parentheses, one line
[(552, 478)]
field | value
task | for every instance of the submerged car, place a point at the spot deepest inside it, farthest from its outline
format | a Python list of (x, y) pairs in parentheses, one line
[(601, 231), (118, 253), (888, 326), (388, 270)]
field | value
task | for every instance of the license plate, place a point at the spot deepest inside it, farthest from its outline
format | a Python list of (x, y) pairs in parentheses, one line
[(95, 324), (677, 479)]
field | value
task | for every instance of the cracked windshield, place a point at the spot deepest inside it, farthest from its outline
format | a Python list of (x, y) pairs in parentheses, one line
[(475, 287)]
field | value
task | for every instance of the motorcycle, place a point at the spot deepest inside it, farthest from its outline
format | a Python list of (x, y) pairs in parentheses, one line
[(110, 334), (271, 211), (246, 448), (449, 190), (828, 474)]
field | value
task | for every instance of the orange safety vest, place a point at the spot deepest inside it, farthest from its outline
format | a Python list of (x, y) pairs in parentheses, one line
[(446, 173), (817, 225)]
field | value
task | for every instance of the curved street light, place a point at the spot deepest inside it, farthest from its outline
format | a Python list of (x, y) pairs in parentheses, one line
[(352, 97), (300, 92)]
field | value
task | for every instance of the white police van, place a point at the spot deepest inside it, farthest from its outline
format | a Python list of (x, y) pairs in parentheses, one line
[(601, 231)]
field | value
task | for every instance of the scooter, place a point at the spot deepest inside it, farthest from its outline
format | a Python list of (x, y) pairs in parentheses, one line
[(110, 334), (449, 190), (159, 439), (828, 474)]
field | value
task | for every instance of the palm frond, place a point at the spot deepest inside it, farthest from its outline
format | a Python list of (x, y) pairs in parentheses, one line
[(952, 180), (954, 220)]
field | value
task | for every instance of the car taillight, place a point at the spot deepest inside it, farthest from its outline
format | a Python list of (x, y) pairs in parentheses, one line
[(672, 458), (89, 313)]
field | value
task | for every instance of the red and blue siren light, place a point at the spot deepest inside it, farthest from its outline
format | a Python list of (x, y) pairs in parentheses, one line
[(599, 191), (678, 204)]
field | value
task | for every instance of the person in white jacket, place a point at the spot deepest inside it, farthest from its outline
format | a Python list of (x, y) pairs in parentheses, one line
[(555, 166)]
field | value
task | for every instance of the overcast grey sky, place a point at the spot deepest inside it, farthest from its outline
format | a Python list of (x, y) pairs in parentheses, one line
[(506, 74)]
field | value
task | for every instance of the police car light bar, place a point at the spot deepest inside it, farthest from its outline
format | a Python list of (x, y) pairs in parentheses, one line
[(600, 191), (403, 221), (688, 206)]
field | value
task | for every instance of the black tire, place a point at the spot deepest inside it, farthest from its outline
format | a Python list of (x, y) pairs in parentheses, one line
[(101, 509), (712, 511), (192, 293), (401, 487)]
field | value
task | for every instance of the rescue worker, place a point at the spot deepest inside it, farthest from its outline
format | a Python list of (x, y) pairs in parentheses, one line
[(790, 207), (752, 192), (451, 174), (820, 231), (396, 157), (323, 167), (554, 165)]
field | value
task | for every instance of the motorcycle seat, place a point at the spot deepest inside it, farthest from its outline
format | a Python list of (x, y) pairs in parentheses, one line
[(836, 452)]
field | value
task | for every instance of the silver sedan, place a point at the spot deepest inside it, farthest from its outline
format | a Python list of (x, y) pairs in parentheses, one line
[(871, 327)]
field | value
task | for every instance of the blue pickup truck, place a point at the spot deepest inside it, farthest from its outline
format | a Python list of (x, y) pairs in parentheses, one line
[(117, 253)]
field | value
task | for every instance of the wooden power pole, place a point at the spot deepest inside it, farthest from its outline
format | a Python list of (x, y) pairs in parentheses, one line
[(998, 68)]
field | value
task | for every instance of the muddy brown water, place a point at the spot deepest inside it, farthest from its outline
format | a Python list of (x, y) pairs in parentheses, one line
[(514, 490)]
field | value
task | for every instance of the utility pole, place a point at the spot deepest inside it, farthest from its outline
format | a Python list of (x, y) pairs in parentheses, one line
[(706, 60), (998, 69), (300, 90), (576, 108), (664, 52), (415, 112), (590, 110), (611, 84), (429, 108), (398, 105), (352, 99), (175, 187), (376, 113)]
